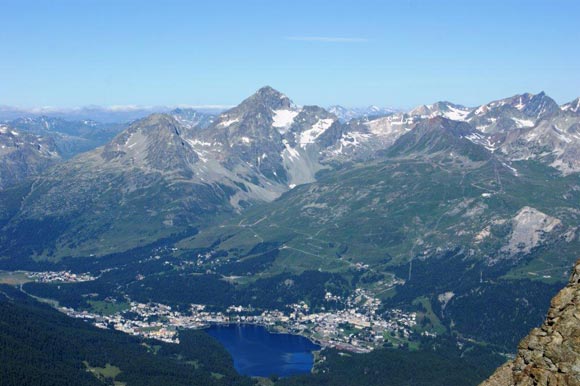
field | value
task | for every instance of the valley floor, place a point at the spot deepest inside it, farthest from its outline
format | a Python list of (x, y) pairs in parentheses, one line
[(357, 328)]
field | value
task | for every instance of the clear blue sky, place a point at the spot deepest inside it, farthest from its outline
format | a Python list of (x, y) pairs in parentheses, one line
[(391, 53)]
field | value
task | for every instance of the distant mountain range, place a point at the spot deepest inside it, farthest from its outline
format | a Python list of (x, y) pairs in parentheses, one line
[(128, 113), (446, 206), (24, 154), (70, 137), (184, 166), (105, 114), (347, 113)]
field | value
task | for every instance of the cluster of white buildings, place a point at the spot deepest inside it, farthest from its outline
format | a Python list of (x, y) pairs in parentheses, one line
[(357, 327), (59, 277)]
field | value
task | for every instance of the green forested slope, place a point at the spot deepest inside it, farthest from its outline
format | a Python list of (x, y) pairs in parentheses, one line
[(41, 347)]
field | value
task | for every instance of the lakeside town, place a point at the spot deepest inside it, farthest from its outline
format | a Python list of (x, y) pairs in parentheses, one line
[(359, 327)]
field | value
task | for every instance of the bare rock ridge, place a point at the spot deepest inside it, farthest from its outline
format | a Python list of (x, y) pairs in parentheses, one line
[(549, 355)]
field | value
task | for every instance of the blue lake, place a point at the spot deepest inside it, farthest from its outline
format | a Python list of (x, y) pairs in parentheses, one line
[(257, 352)]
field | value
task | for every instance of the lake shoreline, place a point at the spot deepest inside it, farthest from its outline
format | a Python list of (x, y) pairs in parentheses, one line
[(259, 351)]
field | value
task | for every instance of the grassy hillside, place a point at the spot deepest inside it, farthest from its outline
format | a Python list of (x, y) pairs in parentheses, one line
[(388, 213)]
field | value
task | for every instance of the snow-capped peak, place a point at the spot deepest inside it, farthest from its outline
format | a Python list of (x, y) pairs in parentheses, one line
[(442, 109)]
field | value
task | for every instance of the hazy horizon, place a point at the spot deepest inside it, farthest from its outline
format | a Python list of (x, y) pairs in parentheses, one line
[(129, 107), (400, 54)]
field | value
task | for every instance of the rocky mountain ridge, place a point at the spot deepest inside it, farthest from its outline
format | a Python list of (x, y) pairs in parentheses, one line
[(550, 354), (526, 126), (189, 167)]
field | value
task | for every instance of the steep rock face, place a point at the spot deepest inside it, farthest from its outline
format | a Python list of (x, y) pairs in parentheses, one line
[(154, 143), (270, 139), (549, 355), (529, 228)]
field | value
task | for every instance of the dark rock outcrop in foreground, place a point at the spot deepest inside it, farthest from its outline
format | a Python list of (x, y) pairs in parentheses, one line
[(549, 355)]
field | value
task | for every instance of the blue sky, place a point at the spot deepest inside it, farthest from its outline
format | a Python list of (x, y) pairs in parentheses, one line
[(390, 53)]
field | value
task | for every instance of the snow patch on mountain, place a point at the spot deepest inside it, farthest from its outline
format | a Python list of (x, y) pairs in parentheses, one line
[(442, 109), (283, 119), (392, 127), (456, 114), (482, 140), (354, 139), (345, 114), (309, 136), (289, 152), (523, 122), (351, 140), (229, 122), (520, 105)]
